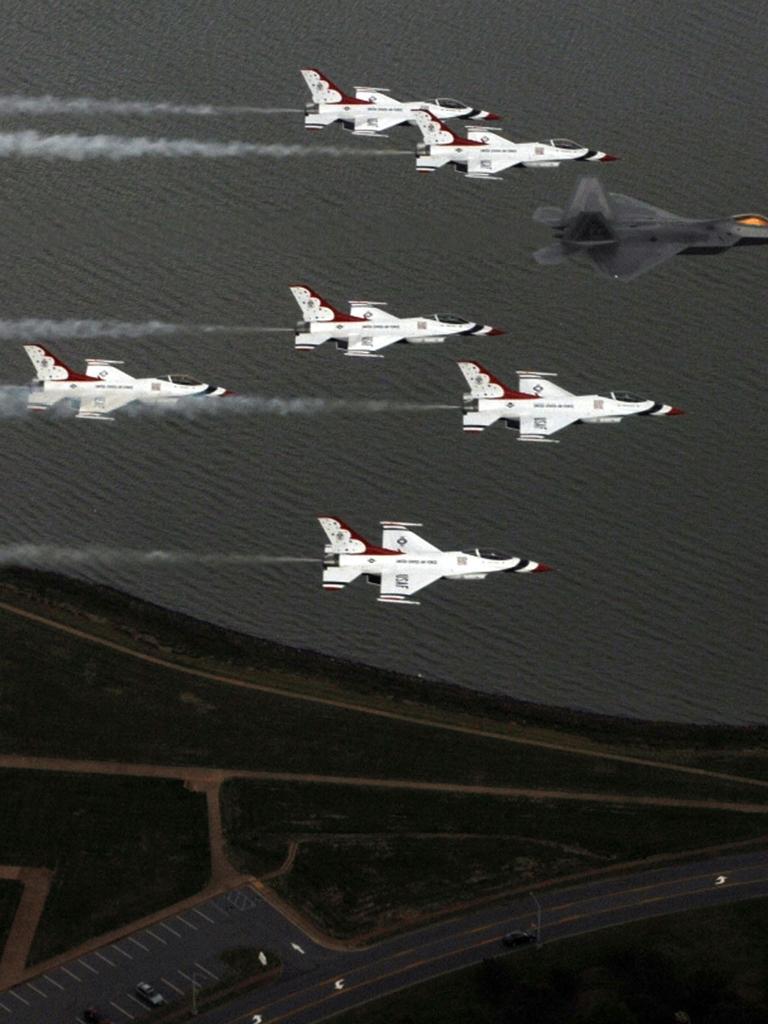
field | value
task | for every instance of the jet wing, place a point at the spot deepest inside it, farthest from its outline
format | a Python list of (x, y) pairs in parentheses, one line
[(539, 425), (626, 260), (99, 407), (399, 585), (368, 344), (627, 208)]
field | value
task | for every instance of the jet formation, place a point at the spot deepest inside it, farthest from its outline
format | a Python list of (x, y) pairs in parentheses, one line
[(372, 111), (484, 153), (405, 563), (104, 388), (368, 327), (622, 237), (540, 408)]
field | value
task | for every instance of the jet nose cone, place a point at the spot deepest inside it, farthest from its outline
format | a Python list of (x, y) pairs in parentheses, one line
[(542, 567), (495, 331), (674, 411), (607, 158), (492, 117), (228, 394)]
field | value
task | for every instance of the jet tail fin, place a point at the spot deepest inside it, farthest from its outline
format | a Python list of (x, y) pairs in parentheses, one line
[(435, 132), (483, 384), (50, 367), (315, 308), (588, 216), (343, 540), (322, 89)]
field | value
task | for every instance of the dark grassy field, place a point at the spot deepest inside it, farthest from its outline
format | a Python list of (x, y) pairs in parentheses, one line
[(121, 848), (65, 697), (10, 894), (369, 857), (711, 964)]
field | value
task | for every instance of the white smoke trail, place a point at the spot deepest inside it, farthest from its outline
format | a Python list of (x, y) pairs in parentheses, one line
[(34, 328), (86, 105), (119, 147), (51, 556)]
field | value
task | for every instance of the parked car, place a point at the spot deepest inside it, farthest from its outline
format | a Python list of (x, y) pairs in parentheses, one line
[(518, 939), (150, 995), (94, 1016)]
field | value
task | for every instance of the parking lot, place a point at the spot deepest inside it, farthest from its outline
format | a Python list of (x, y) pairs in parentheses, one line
[(174, 955)]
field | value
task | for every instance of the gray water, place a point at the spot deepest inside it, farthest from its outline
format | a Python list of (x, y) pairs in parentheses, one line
[(655, 527)]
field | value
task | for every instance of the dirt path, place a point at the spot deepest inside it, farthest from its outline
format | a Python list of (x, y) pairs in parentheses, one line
[(215, 776), (36, 882), (222, 872), (377, 712)]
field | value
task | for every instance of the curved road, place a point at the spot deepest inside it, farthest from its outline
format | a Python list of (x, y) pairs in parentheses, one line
[(342, 980)]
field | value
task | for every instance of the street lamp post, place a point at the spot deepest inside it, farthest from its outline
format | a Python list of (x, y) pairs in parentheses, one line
[(538, 918)]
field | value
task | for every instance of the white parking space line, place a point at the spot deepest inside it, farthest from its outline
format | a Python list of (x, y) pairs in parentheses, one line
[(91, 969), (137, 1001), (169, 929), (186, 922), (187, 977), (53, 981), (158, 937), (4, 1007), (36, 989), (171, 985), (119, 950), (139, 944), (209, 973), (124, 1012), (70, 973), (20, 998), (105, 959), (201, 914)]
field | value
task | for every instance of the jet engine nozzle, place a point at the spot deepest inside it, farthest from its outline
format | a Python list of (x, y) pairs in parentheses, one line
[(330, 560), (422, 149), (469, 404), (312, 108)]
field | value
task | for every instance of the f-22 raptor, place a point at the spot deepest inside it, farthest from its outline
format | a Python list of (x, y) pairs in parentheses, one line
[(624, 237)]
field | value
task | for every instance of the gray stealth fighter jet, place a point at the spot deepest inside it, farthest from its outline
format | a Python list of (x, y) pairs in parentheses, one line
[(623, 237)]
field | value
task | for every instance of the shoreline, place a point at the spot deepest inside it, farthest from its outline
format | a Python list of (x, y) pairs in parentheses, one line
[(187, 637)]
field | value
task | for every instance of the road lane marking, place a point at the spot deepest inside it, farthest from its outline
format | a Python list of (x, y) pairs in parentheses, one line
[(119, 950), (169, 929), (158, 937), (205, 969), (105, 959), (36, 989), (171, 985), (721, 879), (53, 981), (20, 998), (71, 973), (186, 922), (139, 944), (125, 1013), (208, 919), (91, 969), (339, 984)]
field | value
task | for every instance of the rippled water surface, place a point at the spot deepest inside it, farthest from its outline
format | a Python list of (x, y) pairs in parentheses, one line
[(656, 527)]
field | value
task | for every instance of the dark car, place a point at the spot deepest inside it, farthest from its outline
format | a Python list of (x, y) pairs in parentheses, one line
[(514, 939), (94, 1016)]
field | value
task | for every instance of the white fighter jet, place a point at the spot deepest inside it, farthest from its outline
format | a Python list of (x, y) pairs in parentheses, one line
[(541, 408), (371, 111), (367, 327), (405, 563), (484, 153), (103, 388)]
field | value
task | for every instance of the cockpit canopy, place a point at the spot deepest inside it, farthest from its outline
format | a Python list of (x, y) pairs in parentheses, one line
[(752, 220), (623, 396), (182, 378), (444, 318), (441, 101), (488, 553), (563, 144)]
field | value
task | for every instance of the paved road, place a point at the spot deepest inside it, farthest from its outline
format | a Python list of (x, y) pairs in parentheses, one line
[(317, 982)]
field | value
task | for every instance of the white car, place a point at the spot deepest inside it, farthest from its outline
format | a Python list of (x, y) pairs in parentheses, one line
[(150, 995)]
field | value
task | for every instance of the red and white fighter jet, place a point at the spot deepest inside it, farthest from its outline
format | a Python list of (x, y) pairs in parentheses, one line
[(484, 153), (541, 408), (367, 327), (371, 111), (405, 563), (103, 388)]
